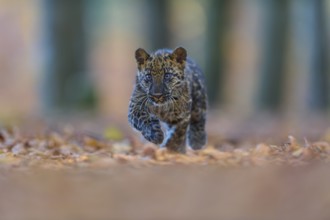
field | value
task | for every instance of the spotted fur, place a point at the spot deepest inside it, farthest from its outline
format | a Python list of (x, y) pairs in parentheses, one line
[(170, 89)]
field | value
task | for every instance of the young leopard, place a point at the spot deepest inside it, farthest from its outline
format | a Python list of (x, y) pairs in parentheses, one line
[(169, 89)]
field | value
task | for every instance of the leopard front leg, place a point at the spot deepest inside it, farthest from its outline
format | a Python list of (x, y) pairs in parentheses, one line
[(152, 131), (176, 136), (142, 121)]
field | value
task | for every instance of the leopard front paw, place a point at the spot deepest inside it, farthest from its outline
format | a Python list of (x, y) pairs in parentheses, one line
[(155, 136), (197, 139)]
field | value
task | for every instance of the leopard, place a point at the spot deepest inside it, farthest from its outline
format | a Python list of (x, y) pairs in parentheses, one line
[(168, 105)]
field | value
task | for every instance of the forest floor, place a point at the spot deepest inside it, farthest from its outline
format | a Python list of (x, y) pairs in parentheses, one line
[(251, 170)]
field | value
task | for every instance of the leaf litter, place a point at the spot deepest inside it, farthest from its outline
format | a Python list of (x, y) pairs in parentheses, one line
[(70, 148)]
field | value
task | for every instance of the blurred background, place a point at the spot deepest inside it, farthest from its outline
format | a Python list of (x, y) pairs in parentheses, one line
[(259, 56)]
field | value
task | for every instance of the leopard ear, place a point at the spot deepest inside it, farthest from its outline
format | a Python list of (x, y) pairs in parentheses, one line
[(179, 55), (141, 56)]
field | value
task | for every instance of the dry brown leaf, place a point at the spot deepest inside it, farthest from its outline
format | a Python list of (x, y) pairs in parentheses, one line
[(261, 150)]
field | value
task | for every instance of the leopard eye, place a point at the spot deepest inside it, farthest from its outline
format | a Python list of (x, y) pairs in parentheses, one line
[(167, 75), (148, 77)]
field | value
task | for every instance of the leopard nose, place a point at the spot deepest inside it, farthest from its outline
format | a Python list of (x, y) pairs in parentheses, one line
[(157, 95)]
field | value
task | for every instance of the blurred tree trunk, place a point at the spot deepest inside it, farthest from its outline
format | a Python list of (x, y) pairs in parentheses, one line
[(270, 89), (66, 86), (319, 77), (217, 23), (158, 27)]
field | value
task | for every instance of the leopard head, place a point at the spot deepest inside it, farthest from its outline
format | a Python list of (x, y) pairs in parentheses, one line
[(161, 74)]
